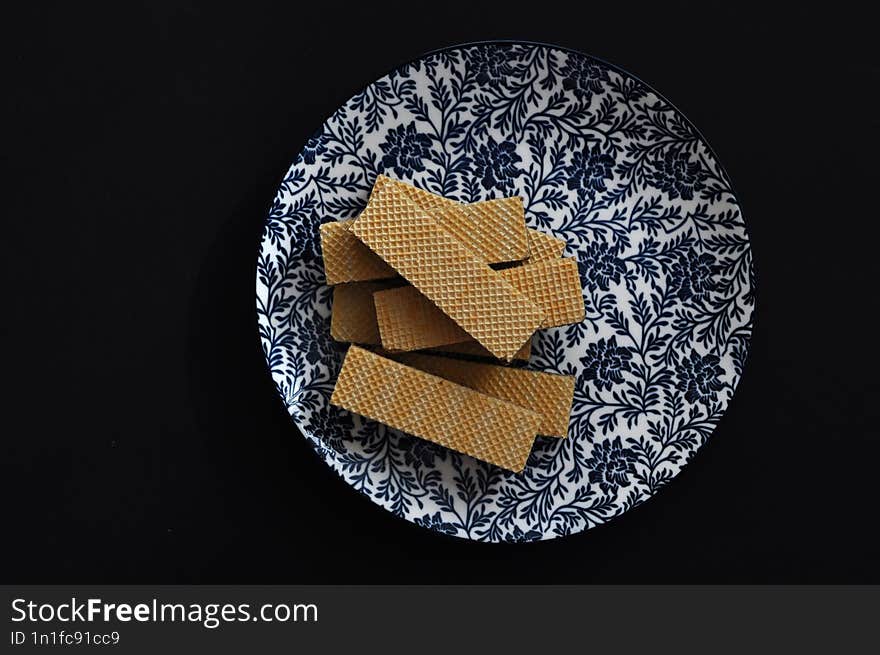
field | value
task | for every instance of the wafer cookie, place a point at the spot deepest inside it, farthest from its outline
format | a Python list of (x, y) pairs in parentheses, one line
[(347, 259), (432, 408), (410, 321), (353, 315), (555, 286), (476, 297), (353, 320), (543, 247), (539, 246), (548, 394), (494, 229)]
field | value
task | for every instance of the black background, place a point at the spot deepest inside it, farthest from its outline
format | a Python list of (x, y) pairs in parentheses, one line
[(146, 441)]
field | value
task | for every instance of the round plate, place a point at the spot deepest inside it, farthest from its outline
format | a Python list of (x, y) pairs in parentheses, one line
[(600, 160)]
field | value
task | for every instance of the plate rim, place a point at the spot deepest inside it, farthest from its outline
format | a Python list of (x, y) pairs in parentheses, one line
[(753, 315)]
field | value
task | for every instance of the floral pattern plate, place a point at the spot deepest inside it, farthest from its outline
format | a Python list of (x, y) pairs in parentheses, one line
[(602, 161)]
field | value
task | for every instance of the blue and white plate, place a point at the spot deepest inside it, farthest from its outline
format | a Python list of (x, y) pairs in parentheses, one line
[(602, 161)]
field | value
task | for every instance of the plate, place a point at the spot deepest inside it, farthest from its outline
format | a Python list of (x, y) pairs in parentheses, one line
[(602, 161)]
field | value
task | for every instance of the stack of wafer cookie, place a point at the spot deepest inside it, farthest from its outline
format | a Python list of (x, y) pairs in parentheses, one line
[(417, 279)]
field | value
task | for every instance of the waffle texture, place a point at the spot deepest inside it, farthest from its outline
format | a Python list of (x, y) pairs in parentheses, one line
[(476, 297), (555, 286), (347, 259), (409, 321), (495, 230), (353, 319), (432, 408), (543, 247), (547, 394), (353, 315), (421, 197)]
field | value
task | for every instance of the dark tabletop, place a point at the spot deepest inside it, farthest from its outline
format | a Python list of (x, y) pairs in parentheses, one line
[(146, 439)]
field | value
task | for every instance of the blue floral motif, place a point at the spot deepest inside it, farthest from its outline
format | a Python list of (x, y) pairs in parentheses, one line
[(600, 160), (599, 266), (418, 452), (519, 536), (698, 377), (305, 236), (584, 77), (405, 150), (316, 145), (496, 164), (611, 465), (319, 347), (691, 275), (588, 172), (332, 426), (435, 522), (676, 174), (492, 65), (605, 362)]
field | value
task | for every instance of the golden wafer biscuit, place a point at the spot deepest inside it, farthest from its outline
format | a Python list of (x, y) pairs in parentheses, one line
[(494, 229), (423, 198), (353, 315), (410, 321), (543, 247), (548, 394), (473, 295), (432, 408), (347, 259), (353, 320), (555, 286)]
